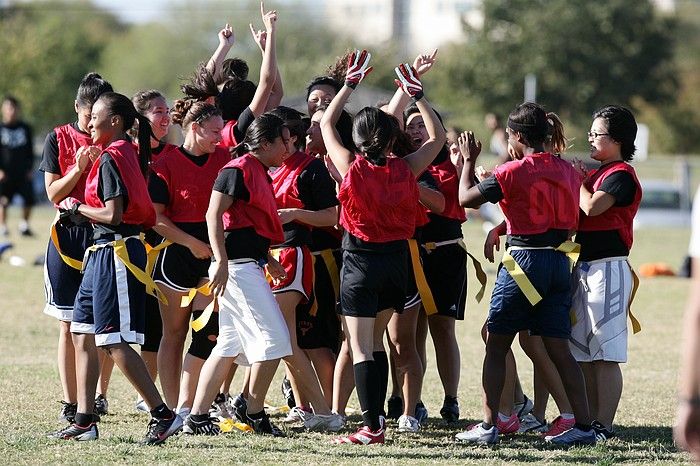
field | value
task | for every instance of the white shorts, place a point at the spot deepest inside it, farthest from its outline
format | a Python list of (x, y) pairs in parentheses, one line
[(601, 294), (251, 326)]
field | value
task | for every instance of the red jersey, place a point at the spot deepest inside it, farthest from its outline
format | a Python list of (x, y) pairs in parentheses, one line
[(228, 138), (167, 149), (260, 212), (189, 185), (69, 141), (379, 202), (540, 193), (284, 180), (445, 173), (139, 210), (615, 218)]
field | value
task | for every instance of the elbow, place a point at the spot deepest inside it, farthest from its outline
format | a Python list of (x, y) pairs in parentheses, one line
[(114, 218)]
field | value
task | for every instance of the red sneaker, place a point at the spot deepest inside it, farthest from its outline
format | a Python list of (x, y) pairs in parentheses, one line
[(364, 436), (559, 426), (509, 426)]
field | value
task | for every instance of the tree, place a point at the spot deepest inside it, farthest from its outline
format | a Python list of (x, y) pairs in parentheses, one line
[(47, 47), (585, 54)]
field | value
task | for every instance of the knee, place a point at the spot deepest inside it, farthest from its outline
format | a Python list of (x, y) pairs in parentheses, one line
[(203, 341)]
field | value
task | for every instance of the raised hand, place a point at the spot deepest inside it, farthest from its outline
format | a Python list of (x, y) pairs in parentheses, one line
[(358, 67), (469, 146), (269, 18), (226, 37), (259, 36), (423, 63), (408, 81)]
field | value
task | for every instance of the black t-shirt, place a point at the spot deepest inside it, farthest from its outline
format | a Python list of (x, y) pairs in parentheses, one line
[(317, 192), (608, 243), (49, 157), (492, 192), (16, 152), (240, 243), (110, 185)]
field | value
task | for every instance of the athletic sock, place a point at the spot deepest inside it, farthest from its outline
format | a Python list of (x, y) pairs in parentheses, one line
[(83, 420), (486, 426), (566, 416), (382, 362), (161, 412), (199, 417), (258, 415), (583, 427), (368, 386)]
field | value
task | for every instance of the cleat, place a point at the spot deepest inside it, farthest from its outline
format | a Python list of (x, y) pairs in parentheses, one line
[(573, 436), (296, 414), (450, 409), (288, 392), (76, 432), (509, 426), (531, 424), (239, 408), (421, 413), (161, 429), (68, 411), (477, 434), (264, 426), (364, 436), (394, 407), (220, 406), (208, 426), (558, 426), (101, 405), (601, 433), (323, 422), (524, 408), (408, 424)]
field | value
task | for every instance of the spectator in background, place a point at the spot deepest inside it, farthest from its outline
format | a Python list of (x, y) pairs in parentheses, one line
[(16, 161), (498, 145)]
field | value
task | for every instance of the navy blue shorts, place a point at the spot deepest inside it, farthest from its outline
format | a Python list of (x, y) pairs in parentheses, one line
[(61, 281), (511, 312), (370, 283), (111, 301)]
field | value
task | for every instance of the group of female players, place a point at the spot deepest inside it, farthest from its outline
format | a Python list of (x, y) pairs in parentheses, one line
[(273, 235)]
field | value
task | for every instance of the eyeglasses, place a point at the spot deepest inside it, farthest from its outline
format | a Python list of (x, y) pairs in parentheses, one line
[(594, 135)]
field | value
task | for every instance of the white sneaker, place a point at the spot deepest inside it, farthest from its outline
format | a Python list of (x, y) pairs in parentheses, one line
[(531, 424), (296, 414), (142, 406), (478, 434), (573, 436), (323, 422), (408, 424)]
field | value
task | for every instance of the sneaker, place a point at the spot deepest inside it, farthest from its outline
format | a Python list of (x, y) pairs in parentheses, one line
[(101, 405), (394, 407), (208, 426), (558, 426), (450, 409), (601, 433), (264, 426), (477, 434), (364, 436), (239, 407), (183, 412), (68, 411), (573, 436), (220, 406), (26, 232), (323, 422), (421, 412), (530, 423), (141, 406), (509, 426), (161, 429), (76, 432), (408, 424), (296, 414), (288, 392), (524, 408)]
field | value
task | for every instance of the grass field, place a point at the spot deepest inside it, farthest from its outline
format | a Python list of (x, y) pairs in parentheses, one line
[(30, 389)]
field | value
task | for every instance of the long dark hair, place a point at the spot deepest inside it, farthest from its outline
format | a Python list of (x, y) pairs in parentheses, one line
[(295, 122), (373, 133), (90, 89), (265, 128), (118, 104), (201, 85)]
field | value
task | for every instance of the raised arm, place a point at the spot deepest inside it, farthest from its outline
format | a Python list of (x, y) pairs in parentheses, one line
[(470, 148), (226, 40), (358, 68), (268, 68), (410, 84), (400, 99)]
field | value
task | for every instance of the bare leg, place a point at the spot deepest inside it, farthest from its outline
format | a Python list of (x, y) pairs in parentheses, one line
[(87, 368), (212, 375), (545, 370), (106, 368), (422, 338), (226, 386), (323, 360), (589, 375), (494, 374), (150, 358), (191, 368), (133, 367), (571, 376), (442, 328), (409, 370), (343, 379), (176, 324), (609, 379), (261, 374), (66, 363)]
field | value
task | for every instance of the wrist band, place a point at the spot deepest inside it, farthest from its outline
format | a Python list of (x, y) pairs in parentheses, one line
[(419, 95), (351, 84)]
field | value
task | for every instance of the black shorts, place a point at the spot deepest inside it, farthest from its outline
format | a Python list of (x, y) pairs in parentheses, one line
[(153, 330), (372, 282), (177, 268), (323, 329), (18, 185), (412, 294), (445, 270)]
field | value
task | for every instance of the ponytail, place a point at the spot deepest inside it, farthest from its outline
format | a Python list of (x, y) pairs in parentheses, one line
[(557, 140), (144, 140)]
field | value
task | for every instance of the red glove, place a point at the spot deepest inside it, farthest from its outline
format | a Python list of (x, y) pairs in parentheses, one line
[(358, 68), (408, 81)]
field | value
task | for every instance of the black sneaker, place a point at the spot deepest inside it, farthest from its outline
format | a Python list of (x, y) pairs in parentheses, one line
[(601, 433), (68, 411), (394, 407), (26, 232), (208, 426), (288, 392), (76, 432), (220, 406), (450, 409), (421, 413), (264, 426), (239, 406), (161, 429), (101, 405)]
